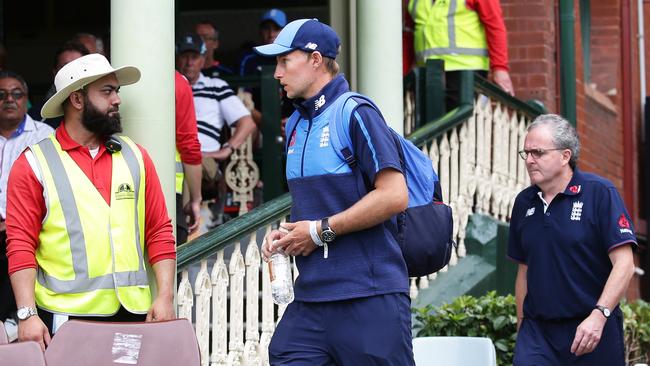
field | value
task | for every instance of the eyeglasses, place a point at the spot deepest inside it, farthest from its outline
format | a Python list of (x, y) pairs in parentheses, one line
[(535, 153), (16, 94)]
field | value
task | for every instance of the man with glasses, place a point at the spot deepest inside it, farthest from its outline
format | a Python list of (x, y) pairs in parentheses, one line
[(17, 131), (573, 240), (212, 67)]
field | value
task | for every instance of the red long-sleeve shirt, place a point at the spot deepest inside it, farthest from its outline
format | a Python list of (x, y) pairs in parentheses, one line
[(489, 11), (187, 135), (26, 206)]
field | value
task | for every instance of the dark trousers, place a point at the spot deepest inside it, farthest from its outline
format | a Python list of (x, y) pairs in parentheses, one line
[(181, 221), (367, 331), (7, 300), (548, 343), (122, 315), (452, 87)]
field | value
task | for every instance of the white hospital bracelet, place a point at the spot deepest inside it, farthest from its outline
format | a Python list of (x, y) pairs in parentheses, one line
[(313, 232)]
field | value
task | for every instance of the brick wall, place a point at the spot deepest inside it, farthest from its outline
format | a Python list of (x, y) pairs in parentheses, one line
[(531, 46)]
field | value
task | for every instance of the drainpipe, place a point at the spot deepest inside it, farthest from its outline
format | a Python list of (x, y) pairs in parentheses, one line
[(641, 37), (567, 61), (627, 96)]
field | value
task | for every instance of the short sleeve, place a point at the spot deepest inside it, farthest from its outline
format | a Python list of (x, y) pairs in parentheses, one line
[(515, 248), (232, 108), (615, 225), (374, 146)]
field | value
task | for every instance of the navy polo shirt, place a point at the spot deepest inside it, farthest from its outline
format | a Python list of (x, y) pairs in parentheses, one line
[(566, 248), (364, 263)]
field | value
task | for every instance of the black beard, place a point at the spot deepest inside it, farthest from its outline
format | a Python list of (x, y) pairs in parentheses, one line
[(101, 124)]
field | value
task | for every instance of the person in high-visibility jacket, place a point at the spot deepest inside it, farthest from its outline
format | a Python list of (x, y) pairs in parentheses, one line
[(466, 35), (84, 206)]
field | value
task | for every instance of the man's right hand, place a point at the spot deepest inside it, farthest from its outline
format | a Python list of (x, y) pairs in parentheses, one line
[(33, 329)]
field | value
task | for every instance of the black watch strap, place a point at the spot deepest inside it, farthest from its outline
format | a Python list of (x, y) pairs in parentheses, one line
[(327, 235)]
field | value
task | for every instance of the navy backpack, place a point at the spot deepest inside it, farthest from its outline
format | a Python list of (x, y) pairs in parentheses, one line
[(424, 231)]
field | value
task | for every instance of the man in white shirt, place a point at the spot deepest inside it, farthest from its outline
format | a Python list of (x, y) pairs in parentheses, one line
[(17, 131)]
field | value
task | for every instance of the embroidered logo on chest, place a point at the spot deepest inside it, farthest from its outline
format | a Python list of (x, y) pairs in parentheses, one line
[(325, 137), (576, 211), (530, 211), (319, 102)]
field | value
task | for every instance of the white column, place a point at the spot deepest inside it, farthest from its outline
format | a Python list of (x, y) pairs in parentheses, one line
[(142, 35), (379, 49)]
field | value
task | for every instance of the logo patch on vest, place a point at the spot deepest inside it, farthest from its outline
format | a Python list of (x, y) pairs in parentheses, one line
[(530, 211), (124, 192)]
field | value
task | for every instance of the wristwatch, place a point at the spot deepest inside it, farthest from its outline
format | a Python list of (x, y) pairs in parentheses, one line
[(327, 235), (24, 312), (606, 312)]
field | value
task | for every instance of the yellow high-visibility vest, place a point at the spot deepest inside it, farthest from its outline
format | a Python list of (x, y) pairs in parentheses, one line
[(448, 30), (90, 255), (180, 175)]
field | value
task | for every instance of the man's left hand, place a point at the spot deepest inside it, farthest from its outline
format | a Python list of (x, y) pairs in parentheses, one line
[(297, 241), (221, 154), (588, 333), (193, 211), (161, 309)]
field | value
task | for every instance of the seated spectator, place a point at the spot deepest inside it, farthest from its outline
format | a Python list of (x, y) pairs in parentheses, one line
[(93, 43), (271, 23), (17, 131), (216, 106), (210, 35)]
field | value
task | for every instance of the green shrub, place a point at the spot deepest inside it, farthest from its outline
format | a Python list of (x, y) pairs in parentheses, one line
[(489, 316), (636, 323), (495, 317)]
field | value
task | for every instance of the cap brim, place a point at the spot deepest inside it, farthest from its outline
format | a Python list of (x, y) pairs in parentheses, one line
[(272, 49), (126, 75)]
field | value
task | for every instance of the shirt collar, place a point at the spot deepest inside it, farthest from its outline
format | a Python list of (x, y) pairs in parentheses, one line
[(20, 129), (311, 107), (67, 143), (575, 185), (201, 80)]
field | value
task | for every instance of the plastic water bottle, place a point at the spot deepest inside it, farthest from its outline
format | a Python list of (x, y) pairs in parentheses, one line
[(281, 280)]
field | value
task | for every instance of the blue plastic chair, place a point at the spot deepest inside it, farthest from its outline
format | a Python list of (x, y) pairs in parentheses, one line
[(454, 351)]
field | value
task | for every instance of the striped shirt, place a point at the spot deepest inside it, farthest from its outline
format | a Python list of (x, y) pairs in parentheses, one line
[(216, 104)]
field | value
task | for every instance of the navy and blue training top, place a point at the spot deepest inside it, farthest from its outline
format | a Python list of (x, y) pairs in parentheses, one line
[(359, 264)]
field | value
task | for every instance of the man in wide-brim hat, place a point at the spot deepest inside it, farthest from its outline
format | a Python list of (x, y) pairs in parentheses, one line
[(84, 205)]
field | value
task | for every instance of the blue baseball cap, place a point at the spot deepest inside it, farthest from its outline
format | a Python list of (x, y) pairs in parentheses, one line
[(277, 16), (304, 34), (190, 42)]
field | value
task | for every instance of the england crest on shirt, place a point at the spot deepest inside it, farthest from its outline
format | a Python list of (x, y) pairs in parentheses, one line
[(576, 211), (624, 225)]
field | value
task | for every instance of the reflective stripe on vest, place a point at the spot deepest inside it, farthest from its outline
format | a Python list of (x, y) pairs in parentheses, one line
[(180, 175), (448, 30), (84, 266)]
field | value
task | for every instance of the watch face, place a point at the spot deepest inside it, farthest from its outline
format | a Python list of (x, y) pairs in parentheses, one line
[(22, 313), (328, 236), (606, 312)]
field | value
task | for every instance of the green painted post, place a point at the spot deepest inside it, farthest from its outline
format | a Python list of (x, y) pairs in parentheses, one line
[(434, 90), (466, 96), (506, 269), (272, 145)]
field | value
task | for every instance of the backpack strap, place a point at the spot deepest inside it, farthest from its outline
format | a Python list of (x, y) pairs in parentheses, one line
[(344, 107), (290, 128)]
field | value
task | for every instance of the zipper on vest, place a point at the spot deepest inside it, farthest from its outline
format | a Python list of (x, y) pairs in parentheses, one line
[(304, 148)]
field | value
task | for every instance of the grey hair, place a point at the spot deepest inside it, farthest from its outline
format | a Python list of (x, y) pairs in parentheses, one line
[(564, 136)]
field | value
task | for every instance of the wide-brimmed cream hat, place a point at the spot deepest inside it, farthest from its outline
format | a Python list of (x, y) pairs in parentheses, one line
[(81, 72)]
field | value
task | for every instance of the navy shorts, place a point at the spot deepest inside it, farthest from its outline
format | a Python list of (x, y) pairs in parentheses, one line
[(541, 343), (365, 331)]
